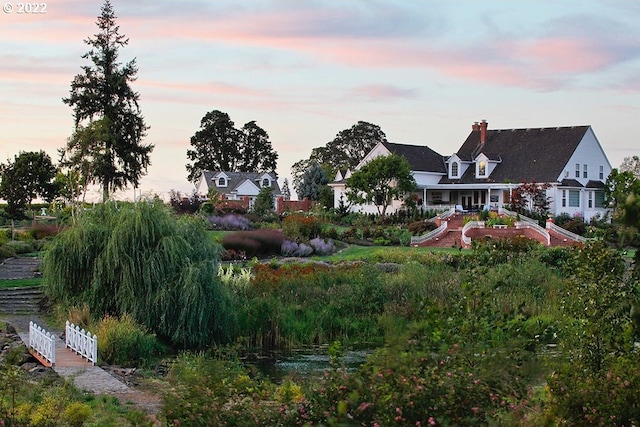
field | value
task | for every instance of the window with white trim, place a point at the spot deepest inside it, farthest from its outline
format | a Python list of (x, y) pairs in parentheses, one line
[(584, 171), (601, 173), (266, 182), (590, 200), (482, 168), (454, 169), (564, 198), (599, 199), (222, 182), (574, 198), (577, 170)]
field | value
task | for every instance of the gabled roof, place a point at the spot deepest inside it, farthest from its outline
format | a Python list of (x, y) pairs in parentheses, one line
[(420, 158), (236, 179), (526, 155)]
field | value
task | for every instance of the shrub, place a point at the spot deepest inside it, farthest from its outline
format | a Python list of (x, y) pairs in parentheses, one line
[(418, 228), (21, 247), (321, 247), (290, 248), (230, 222), (575, 225), (7, 251), (40, 231), (301, 227), (124, 342), (76, 414), (262, 242)]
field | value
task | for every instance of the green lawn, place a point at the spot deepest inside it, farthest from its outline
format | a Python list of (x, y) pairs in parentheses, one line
[(363, 253), (15, 283)]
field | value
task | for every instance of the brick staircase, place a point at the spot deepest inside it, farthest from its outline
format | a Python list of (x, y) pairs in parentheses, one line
[(452, 237)]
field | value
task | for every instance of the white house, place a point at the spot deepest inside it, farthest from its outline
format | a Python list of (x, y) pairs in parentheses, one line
[(491, 163), (238, 185)]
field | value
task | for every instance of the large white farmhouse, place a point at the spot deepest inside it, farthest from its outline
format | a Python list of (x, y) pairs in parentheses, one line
[(491, 163)]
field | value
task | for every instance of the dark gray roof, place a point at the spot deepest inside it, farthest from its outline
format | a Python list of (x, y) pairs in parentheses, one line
[(524, 155), (235, 179), (595, 184), (570, 183), (420, 158)]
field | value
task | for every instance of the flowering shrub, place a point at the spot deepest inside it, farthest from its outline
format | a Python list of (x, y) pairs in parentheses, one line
[(290, 248), (230, 222), (322, 247), (608, 397)]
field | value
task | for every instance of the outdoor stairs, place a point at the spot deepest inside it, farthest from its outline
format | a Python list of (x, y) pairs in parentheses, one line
[(21, 300), (20, 268), (451, 238)]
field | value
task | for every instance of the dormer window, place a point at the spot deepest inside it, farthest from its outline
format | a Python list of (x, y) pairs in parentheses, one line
[(454, 169), (266, 183), (222, 181), (482, 168)]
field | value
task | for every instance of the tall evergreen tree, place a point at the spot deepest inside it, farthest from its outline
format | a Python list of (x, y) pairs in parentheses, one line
[(313, 180), (286, 191), (103, 92)]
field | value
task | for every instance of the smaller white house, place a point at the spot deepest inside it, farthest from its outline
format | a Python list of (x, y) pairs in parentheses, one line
[(241, 186)]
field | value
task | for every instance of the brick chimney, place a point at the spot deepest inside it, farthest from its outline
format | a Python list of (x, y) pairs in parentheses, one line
[(483, 131), (475, 127)]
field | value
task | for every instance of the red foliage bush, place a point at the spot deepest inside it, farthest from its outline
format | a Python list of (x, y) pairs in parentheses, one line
[(40, 231), (263, 242)]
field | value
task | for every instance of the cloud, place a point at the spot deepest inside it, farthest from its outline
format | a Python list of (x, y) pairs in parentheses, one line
[(383, 92)]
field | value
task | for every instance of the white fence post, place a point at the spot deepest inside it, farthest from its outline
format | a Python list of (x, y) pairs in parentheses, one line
[(82, 342)]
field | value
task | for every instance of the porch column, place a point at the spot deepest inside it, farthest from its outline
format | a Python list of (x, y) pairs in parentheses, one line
[(424, 197)]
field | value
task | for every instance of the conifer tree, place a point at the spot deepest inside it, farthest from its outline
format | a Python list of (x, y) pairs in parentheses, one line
[(102, 92)]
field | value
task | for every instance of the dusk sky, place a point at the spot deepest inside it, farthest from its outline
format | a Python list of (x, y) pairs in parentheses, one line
[(423, 71)]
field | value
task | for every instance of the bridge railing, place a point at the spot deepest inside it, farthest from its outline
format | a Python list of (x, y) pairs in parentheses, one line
[(82, 342), (43, 343)]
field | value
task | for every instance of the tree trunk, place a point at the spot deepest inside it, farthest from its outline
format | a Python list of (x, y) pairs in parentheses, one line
[(105, 192)]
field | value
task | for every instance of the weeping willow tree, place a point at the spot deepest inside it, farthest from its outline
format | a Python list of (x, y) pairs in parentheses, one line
[(139, 259)]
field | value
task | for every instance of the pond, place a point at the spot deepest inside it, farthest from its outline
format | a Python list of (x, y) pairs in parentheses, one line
[(307, 363)]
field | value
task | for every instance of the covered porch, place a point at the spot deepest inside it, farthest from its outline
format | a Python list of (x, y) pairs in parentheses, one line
[(471, 198)]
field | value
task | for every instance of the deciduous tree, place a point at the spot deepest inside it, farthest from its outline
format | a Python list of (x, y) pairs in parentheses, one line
[(619, 185), (218, 145), (345, 151), (382, 180), (30, 175), (102, 92)]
